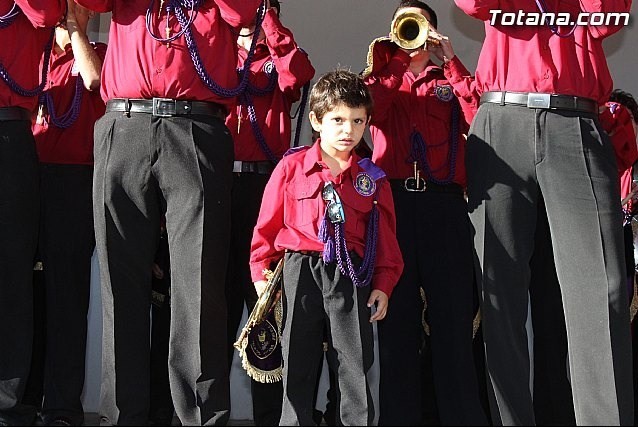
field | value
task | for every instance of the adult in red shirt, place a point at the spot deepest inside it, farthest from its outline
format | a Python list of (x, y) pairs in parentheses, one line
[(25, 33), (421, 113), (536, 149), (260, 126), (64, 140), (169, 78), (330, 215)]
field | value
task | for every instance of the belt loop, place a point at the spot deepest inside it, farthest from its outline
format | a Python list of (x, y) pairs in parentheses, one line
[(127, 107), (503, 98)]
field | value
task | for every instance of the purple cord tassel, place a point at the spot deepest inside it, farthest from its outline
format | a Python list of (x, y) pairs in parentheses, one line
[(327, 239)]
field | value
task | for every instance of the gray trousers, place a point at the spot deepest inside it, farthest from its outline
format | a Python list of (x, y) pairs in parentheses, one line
[(143, 165), (516, 155), (317, 295)]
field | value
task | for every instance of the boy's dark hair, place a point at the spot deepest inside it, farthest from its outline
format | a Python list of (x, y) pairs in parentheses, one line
[(339, 87), (627, 100), (416, 3)]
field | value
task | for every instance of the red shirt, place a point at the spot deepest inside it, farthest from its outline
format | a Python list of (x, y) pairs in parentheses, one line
[(272, 109), (137, 66), (22, 46), (73, 145), (292, 210), (533, 59), (404, 103)]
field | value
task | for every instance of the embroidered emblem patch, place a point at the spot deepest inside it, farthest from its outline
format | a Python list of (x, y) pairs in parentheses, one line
[(364, 184), (444, 93), (264, 340), (269, 66)]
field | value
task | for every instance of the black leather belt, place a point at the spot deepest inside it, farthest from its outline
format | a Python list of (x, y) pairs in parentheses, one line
[(14, 113), (166, 107), (307, 253), (428, 187), (540, 100), (258, 167)]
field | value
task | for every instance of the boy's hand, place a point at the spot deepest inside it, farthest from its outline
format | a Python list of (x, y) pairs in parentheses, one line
[(260, 286), (379, 298)]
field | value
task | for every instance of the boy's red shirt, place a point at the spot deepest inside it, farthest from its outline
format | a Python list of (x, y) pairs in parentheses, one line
[(292, 210)]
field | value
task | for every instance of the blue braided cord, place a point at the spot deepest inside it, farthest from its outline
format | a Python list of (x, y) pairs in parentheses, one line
[(68, 118), (4, 74), (419, 149), (9, 17)]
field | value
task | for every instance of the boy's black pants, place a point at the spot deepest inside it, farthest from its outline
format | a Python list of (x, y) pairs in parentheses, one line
[(317, 295)]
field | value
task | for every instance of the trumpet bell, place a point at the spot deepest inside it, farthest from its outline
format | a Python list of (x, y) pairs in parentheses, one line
[(409, 30)]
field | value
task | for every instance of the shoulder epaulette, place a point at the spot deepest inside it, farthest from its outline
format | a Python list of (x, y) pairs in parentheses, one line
[(293, 150), (372, 169)]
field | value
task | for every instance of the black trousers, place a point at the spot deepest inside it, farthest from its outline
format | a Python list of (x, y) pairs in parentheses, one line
[(66, 244), (566, 158), (247, 192), (433, 230), (139, 161), (19, 211), (316, 295)]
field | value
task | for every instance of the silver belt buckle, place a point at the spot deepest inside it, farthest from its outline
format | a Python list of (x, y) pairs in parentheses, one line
[(414, 184), (237, 166), (538, 100), (164, 107)]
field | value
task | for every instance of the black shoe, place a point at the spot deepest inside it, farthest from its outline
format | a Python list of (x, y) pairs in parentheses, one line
[(61, 422)]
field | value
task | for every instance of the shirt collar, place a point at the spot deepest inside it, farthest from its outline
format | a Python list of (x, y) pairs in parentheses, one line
[(313, 161)]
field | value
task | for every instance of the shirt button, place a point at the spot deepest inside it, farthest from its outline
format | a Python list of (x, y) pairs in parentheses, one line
[(159, 70)]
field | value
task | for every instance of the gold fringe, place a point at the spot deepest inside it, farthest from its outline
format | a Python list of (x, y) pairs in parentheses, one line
[(370, 56), (634, 302), (475, 323)]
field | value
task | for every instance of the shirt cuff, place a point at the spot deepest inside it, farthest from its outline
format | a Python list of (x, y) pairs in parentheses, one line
[(384, 282)]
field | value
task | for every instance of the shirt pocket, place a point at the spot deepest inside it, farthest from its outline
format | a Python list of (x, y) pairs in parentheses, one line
[(357, 210), (305, 205)]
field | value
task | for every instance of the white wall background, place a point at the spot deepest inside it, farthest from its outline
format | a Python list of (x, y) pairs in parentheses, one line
[(337, 34)]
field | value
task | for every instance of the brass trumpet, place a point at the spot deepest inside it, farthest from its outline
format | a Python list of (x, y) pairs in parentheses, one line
[(411, 30)]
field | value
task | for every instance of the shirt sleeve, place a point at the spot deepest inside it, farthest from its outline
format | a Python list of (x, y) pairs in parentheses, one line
[(617, 122), (238, 13), (479, 9), (97, 5), (293, 65), (607, 7), (385, 83), (464, 87), (389, 261), (43, 13), (269, 223)]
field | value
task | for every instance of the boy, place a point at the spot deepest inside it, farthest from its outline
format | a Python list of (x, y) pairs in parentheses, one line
[(421, 113), (326, 199)]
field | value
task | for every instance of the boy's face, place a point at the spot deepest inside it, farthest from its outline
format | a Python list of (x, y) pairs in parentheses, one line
[(341, 128)]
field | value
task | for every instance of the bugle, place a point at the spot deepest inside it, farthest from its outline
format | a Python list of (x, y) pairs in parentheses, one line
[(411, 30)]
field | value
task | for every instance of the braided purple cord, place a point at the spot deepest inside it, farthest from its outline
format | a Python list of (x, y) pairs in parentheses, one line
[(363, 276), (9, 17), (197, 61), (246, 100), (300, 113), (4, 74), (542, 6), (419, 149), (67, 119), (173, 6)]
